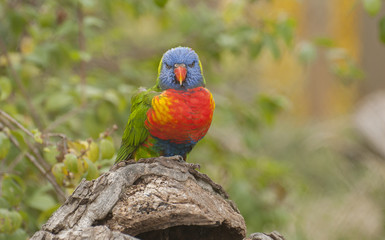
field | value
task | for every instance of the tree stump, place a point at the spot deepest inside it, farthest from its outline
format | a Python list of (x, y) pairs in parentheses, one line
[(155, 198)]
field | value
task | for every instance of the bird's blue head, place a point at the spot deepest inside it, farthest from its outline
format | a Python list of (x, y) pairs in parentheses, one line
[(180, 69)]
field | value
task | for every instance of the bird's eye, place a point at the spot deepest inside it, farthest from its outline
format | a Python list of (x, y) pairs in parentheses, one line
[(168, 66), (192, 64)]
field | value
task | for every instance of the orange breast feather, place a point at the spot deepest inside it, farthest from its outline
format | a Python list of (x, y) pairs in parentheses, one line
[(181, 116)]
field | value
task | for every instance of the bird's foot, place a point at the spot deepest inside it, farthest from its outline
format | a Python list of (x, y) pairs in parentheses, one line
[(121, 164), (165, 161), (177, 158), (180, 158)]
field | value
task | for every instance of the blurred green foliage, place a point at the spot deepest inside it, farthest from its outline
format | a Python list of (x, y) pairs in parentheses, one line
[(373, 8), (69, 68)]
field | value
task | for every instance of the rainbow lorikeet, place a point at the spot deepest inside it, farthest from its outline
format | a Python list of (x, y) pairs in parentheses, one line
[(171, 117)]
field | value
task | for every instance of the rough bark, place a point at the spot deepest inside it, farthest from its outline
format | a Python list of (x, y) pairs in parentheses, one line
[(157, 198), (266, 236), (97, 232)]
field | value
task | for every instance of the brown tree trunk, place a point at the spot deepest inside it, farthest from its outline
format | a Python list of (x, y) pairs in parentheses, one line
[(155, 198)]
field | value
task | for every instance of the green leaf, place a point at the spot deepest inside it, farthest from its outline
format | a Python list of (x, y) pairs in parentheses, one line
[(19, 234), (92, 171), (58, 172), (93, 152), (381, 26), (104, 112), (5, 88), (324, 42), (372, 6), (255, 49), (50, 154), (5, 226), (77, 146), (37, 136), (41, 201), (226, 40), (71, 162), (77, 56), (12, 189), (93, 22), (85, 56), (4, 203), (20, 139), (107, 148), (15, 220), (17, 22), (5, 145), (47, 19), (88, 3), (161, 3), (270, 106), (93, 92), (285, 30), (112, 96), (271, 43), (58, 101)]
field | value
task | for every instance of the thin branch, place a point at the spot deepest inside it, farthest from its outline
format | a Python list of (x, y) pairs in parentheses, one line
[(61, 135), (6, 172), (30, 145), (108, 132), (60, 193), (46, 137), (12, 120), (82, 48), (38, 161), (20, 85), (38, 155), (83, 152)]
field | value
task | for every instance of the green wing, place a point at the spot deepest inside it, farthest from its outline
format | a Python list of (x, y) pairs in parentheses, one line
[(136, 133)]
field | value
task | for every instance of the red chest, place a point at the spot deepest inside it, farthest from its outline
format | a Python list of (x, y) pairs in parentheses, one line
[(181, 116)]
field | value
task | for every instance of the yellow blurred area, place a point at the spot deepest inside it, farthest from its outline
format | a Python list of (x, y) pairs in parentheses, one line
[(27, 45), (286, 75)]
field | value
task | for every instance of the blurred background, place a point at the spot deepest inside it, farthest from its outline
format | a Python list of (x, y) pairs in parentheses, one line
[(297, 138)]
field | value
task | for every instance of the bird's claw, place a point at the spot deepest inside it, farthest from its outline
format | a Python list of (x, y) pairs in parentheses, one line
[(179, 158)]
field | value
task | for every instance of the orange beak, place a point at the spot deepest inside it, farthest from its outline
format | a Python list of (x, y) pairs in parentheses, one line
[(180, 73)]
